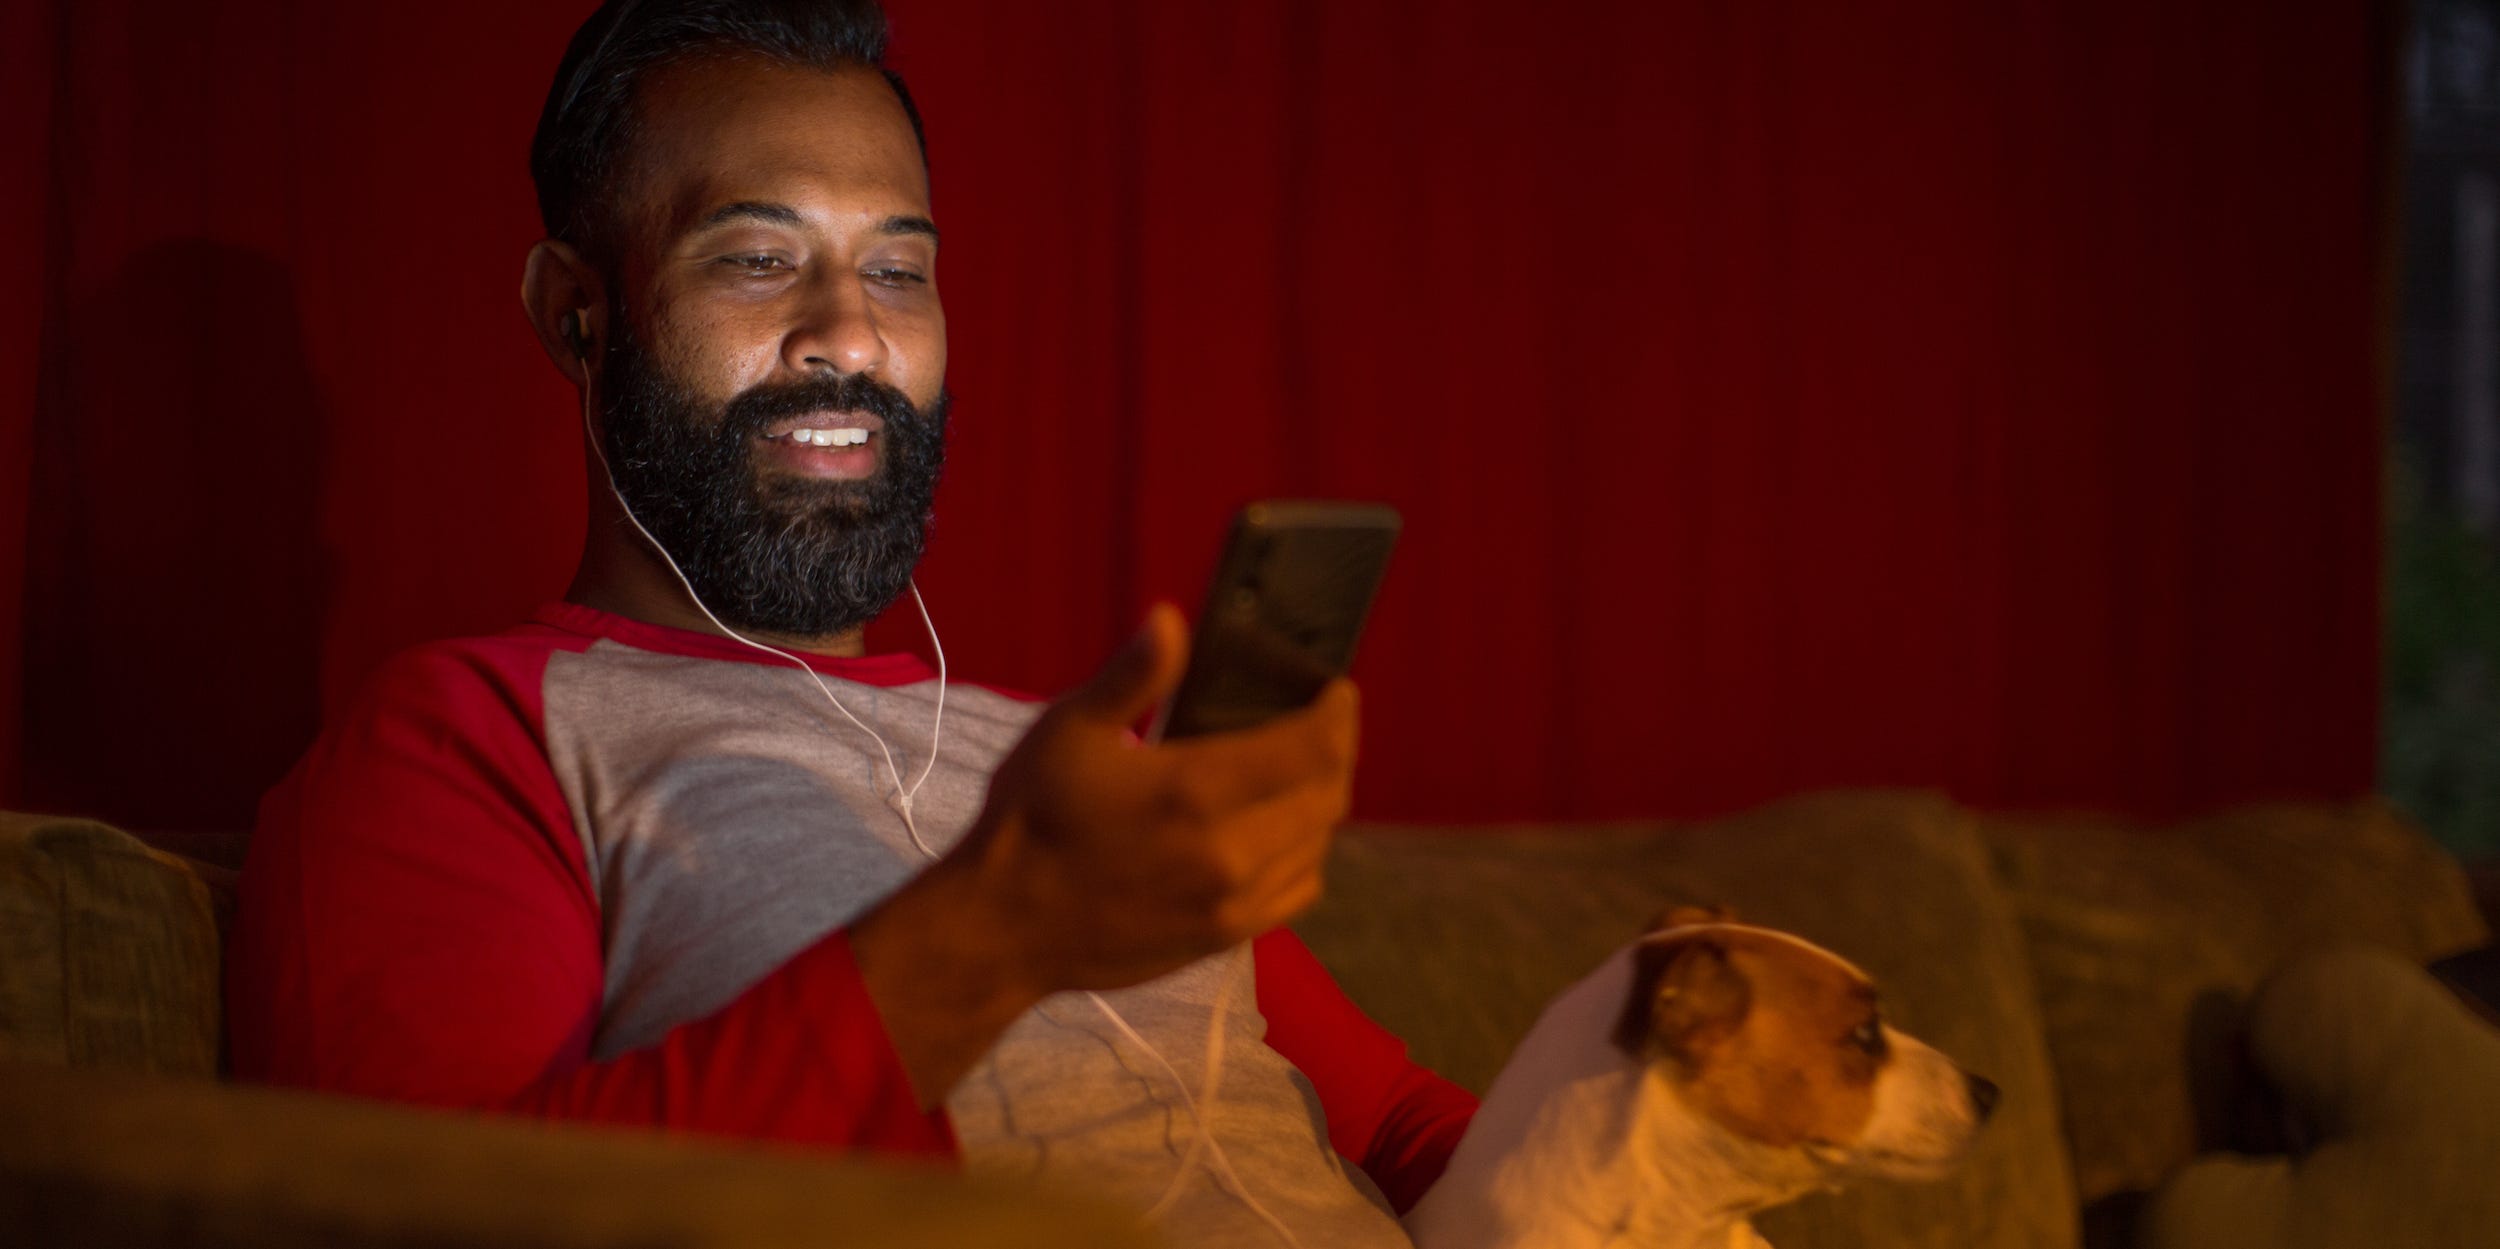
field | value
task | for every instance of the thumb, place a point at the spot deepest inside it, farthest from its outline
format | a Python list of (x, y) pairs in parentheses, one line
[(1141, 675)]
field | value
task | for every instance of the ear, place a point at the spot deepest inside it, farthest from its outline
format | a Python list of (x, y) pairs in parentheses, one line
[(1686, 996), (1681, 916), (567, 304)]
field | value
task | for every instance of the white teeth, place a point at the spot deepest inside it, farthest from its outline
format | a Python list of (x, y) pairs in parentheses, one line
[(853, 437)]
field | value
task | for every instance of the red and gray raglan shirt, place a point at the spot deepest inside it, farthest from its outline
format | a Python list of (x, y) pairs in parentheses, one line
[(597, 869)]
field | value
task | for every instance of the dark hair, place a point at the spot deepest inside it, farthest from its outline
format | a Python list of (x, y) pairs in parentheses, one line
[(588, 123)]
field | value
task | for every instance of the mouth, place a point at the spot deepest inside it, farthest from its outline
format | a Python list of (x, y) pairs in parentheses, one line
[(1899, 1166), (1889, 1164), (834, 446)]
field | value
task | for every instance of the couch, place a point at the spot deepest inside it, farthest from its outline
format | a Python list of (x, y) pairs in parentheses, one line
[(2091, 967)]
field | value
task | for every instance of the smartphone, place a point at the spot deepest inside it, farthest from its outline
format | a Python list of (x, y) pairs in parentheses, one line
[(1287, 604)]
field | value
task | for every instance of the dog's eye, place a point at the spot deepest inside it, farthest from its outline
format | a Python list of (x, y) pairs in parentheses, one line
[(1869, 1037)]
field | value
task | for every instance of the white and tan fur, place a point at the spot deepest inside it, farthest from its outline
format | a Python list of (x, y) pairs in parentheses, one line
[(1703, 1073)]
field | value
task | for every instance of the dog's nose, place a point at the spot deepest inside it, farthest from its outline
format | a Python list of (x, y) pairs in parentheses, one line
[(1983, 1094)]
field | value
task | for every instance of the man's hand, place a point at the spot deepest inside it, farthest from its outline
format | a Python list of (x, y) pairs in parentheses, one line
[(1099, 862)]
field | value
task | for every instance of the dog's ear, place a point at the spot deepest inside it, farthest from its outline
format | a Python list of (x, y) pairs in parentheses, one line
[(1681, 916), (1686, 995)]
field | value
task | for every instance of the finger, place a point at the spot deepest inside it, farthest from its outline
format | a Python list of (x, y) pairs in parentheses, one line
[(1294, 833), (1340, 707), (1141, 675), (1226, 771)]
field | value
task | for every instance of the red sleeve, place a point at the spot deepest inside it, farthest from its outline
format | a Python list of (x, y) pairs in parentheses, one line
[(1386, 1112), (414, 923)]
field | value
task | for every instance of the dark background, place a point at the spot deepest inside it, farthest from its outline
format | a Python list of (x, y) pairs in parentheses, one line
[(1967, 393)]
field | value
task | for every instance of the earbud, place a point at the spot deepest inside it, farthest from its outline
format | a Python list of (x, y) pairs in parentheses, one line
[(575, 336)]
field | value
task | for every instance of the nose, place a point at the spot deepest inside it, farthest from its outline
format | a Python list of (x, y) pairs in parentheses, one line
[(837, 329), (1983, 1094)]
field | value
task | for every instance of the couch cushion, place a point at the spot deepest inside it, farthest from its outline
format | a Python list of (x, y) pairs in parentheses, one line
[(2144, 941), (1455, 940), (108, 951)]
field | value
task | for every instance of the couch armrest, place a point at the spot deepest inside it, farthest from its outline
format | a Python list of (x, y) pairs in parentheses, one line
[(94, 1159), (2145, 941)]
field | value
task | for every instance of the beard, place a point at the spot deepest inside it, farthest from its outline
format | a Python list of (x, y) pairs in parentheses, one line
[(794, 556)]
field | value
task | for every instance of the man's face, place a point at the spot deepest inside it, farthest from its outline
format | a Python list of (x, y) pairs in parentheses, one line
[(775, 291)]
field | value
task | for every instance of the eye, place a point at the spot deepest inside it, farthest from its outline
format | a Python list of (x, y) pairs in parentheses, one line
[(1868, 1037), (755, 262), (891, 276)]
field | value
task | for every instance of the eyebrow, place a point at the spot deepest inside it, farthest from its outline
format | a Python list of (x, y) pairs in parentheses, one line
[(770, 213)]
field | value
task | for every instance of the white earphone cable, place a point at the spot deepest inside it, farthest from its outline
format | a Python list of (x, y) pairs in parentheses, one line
[(1205, 1143)]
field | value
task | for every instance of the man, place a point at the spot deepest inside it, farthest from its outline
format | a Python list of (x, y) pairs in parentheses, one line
[(678, 853)]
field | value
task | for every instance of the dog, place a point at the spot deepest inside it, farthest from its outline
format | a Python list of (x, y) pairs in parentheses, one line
[(1703, 1073)]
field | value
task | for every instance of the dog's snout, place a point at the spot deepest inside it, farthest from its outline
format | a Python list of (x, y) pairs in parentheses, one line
[(1983, 1094)]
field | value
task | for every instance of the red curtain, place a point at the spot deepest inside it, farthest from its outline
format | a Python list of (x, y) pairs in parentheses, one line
[(1970, 394)]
